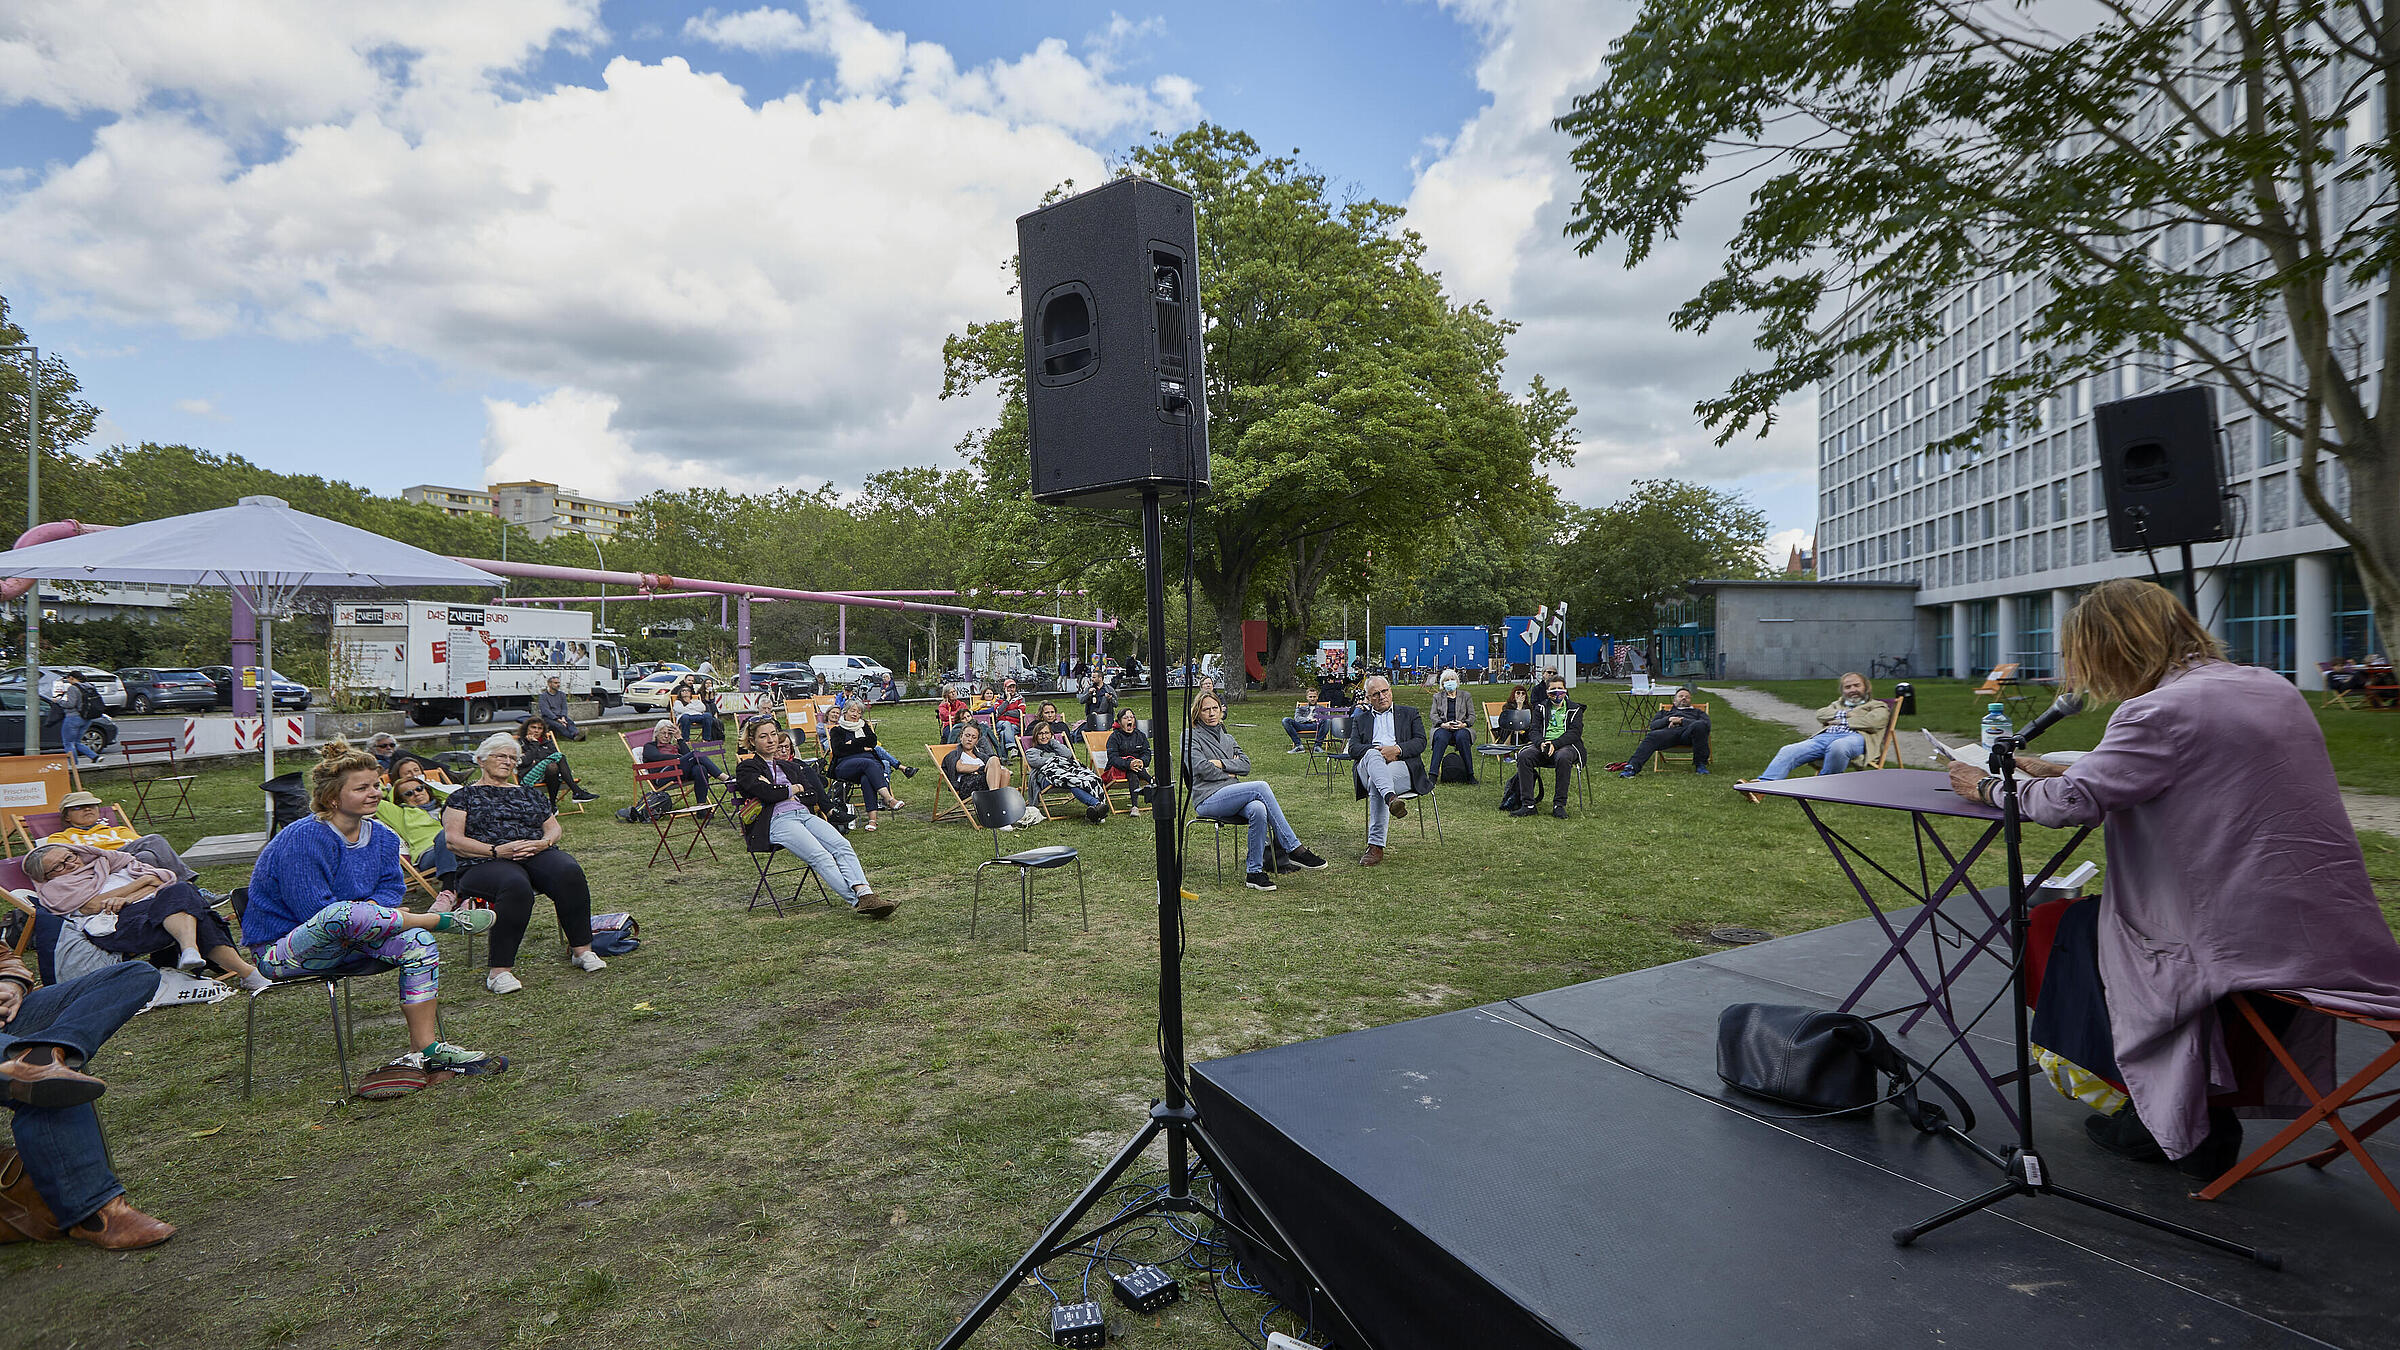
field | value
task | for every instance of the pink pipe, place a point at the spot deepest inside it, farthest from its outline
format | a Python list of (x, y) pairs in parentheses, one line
[(587, 599), (43, 534), (651, 581)]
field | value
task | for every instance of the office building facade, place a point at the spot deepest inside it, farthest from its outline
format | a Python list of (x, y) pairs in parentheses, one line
[(2001, 538)]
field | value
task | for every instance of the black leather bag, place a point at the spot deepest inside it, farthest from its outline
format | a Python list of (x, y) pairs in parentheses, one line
[(1825, 1063)]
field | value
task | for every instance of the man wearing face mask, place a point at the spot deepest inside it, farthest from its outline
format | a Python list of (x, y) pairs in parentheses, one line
[(1453, 721), (1679, 724), (1847, 722), (1557, 738)]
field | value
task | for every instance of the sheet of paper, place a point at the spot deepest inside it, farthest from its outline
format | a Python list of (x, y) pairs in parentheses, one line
[(1970, 753)]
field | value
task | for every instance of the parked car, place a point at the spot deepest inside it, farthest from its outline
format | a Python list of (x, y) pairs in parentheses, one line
[(112, 689), (99, 735), (651, 691), (779, 671), (846, 669), (289, 693), (151, 688), (641, 670)]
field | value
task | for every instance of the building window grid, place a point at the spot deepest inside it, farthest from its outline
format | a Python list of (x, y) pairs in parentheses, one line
[(2259, 620), (2035, 656)]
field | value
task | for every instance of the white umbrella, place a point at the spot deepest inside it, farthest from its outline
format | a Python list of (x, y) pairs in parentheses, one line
[(259, 546)]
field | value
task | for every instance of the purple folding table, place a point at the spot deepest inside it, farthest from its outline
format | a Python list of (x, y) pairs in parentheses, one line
[(1980, 932)]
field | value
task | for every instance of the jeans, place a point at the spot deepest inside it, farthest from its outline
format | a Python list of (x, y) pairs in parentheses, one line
[(438, 861), (1382, 780), (64, 1155), (70, 730), (1006, 734), (814, 841), (1293, 727), (1691, 734), (868, 772), (511, 886), (1831, 750), (1443, 739), (563, 727), (1254, 802), (700, 727)]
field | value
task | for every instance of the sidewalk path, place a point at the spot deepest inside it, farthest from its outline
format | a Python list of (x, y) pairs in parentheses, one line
[(2368, 810)]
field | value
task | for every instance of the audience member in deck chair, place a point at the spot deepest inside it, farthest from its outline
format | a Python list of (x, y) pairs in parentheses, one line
[(793, 804), (48, 1037), (858, 759), (2207, 894), (1054, 765), (79, 823), (327, 891), (971, 765), (1129, 754), (149, 910), (506, 835), (546, 765), (667, 745), (1681, 724), (1848, 723), (412, 813)]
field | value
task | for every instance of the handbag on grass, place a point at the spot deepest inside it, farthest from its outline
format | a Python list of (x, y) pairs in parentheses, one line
[(1825, 1063)]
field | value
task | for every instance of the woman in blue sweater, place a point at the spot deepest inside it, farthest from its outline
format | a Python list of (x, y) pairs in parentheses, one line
[(327, 891)]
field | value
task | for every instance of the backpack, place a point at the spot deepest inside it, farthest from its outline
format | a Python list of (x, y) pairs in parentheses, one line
[(615, 934), (90, 704), (652, 805)]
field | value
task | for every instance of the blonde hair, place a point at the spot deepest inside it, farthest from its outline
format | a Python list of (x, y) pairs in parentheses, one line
[(2123, 637), (1192, 713), (335, 763)]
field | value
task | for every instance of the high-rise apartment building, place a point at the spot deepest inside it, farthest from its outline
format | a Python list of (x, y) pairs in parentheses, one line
[(1999, 539), (539, 507)]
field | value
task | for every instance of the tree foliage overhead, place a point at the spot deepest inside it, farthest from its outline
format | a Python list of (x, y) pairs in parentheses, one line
[(2199, 188), (1354, 409)]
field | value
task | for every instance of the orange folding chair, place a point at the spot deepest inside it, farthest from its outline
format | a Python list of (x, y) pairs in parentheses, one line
[(2327, 1107)]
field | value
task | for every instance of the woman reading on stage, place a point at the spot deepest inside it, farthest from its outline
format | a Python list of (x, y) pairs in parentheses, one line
[(2232, 867)]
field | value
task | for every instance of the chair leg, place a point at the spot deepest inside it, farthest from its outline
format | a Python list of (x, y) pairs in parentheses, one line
[(977, 907), (1025, 909), (249, 1043), (341, 1041), (1080, 898)]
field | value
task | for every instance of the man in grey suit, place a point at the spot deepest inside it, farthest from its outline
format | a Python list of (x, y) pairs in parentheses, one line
[(1387, 741)]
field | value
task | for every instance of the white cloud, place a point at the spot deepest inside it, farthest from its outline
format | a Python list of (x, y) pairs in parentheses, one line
[(1492, 201), (197, 407), (715, 291), (1777, 551)]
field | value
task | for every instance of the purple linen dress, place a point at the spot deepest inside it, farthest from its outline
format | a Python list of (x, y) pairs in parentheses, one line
[(2232, 866)]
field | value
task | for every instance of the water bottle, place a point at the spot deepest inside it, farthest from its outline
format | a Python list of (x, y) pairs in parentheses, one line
[(1996, 725)]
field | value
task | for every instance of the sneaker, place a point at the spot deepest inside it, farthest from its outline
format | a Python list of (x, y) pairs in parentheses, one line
[(1558, 811), (502, 982), (1630, 773), (444, 1057), (1259, 881), (1699, 768), (473, 920), (908, 770), (587, 961), (1297, 750), (1307, 857), (1096, 815), (583, 796), (1520, 812)]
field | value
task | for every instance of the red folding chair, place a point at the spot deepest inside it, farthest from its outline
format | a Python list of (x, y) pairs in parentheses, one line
[(2350, 1091)]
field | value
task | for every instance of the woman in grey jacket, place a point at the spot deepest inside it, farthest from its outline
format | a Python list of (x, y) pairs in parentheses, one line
[(1213, 767), (1453, 722)]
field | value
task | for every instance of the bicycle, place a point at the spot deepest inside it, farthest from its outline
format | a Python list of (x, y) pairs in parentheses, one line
[(1891, 667)]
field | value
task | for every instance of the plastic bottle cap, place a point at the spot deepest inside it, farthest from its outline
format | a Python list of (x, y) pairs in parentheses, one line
[(1993, 708)]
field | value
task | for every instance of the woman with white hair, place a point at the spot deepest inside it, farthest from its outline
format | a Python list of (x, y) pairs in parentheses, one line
[(506, 837), (667, 747), (1453, 722)]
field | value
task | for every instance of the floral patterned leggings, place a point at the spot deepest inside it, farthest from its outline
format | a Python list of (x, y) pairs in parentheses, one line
[(348, 929)]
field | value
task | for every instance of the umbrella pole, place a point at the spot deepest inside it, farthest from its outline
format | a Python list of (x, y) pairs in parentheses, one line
[(266, 689)]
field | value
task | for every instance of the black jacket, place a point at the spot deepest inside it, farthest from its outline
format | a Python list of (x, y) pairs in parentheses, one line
[(1125, 745), (752, 780), (1573, 735), (1408, 730), (1694, 719), (847, 743)]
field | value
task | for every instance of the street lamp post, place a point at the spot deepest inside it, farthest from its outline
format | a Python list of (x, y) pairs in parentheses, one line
[(33, 517)]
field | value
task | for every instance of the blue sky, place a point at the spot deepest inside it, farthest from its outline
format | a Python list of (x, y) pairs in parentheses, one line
[(547, 238)]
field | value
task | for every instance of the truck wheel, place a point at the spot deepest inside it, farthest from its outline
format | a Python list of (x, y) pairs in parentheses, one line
[(600, 696), (479, 711), (428, 714)]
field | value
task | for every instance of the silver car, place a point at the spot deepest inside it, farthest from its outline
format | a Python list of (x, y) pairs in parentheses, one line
[(112, 689)]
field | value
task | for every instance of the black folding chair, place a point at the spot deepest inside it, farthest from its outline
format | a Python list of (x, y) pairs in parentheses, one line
[(995, 807)]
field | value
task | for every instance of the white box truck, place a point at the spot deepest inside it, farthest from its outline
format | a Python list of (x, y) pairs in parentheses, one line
[(437, 659), (994, 661)]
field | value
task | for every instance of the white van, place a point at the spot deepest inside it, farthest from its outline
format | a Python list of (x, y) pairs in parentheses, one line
[(842, 670)]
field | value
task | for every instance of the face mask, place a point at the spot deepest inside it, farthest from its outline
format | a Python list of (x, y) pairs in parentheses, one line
[(1449, 686)]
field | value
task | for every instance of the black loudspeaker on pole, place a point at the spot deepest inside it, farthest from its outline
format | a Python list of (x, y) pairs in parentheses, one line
[(2159, 474), (1113, 394)]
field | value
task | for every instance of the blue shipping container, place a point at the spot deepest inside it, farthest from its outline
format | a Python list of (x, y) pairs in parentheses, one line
[(1432, 647)]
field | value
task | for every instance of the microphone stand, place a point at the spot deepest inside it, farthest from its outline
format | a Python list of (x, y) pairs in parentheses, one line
[(2023, 1171)]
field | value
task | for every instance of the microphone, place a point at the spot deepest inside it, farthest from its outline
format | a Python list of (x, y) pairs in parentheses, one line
[(2064, 706)]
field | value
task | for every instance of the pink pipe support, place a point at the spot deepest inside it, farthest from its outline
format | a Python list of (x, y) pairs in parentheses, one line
[(651, 581), (43, 534)]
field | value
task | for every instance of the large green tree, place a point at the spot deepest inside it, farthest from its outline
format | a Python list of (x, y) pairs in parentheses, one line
[(1619, 562), (67, 421), (2197, 188), (1354, 408)]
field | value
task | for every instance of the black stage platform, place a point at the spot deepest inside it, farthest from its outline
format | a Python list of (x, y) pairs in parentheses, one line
[(1475, 1179)]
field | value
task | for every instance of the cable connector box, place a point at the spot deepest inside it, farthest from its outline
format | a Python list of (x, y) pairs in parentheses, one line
[(1146, 1288), (1079, 1324)]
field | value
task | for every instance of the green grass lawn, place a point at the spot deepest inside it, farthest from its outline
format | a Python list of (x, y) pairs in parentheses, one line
[(822, 1131), (2364, 745)]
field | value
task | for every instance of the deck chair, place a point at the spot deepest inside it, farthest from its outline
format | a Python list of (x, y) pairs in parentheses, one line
[(1884, 751), (37, 825), (948, 806), (1681, 752), (1112, 781), (19, 890), (2324, 1108), (1042, 796), (2334, 698), (680, 822)]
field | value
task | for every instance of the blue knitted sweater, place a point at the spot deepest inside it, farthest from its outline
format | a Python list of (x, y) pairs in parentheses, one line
[(309, 866)]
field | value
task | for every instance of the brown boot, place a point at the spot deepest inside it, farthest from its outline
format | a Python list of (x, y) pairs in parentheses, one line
[(873, 906), (119, 1227), (1373, 857), (36, 1076), (23, 1215)]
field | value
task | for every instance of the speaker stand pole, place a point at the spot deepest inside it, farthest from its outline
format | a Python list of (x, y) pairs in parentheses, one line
[(2191, 583), (1173, 1114), (2025, 1172)]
